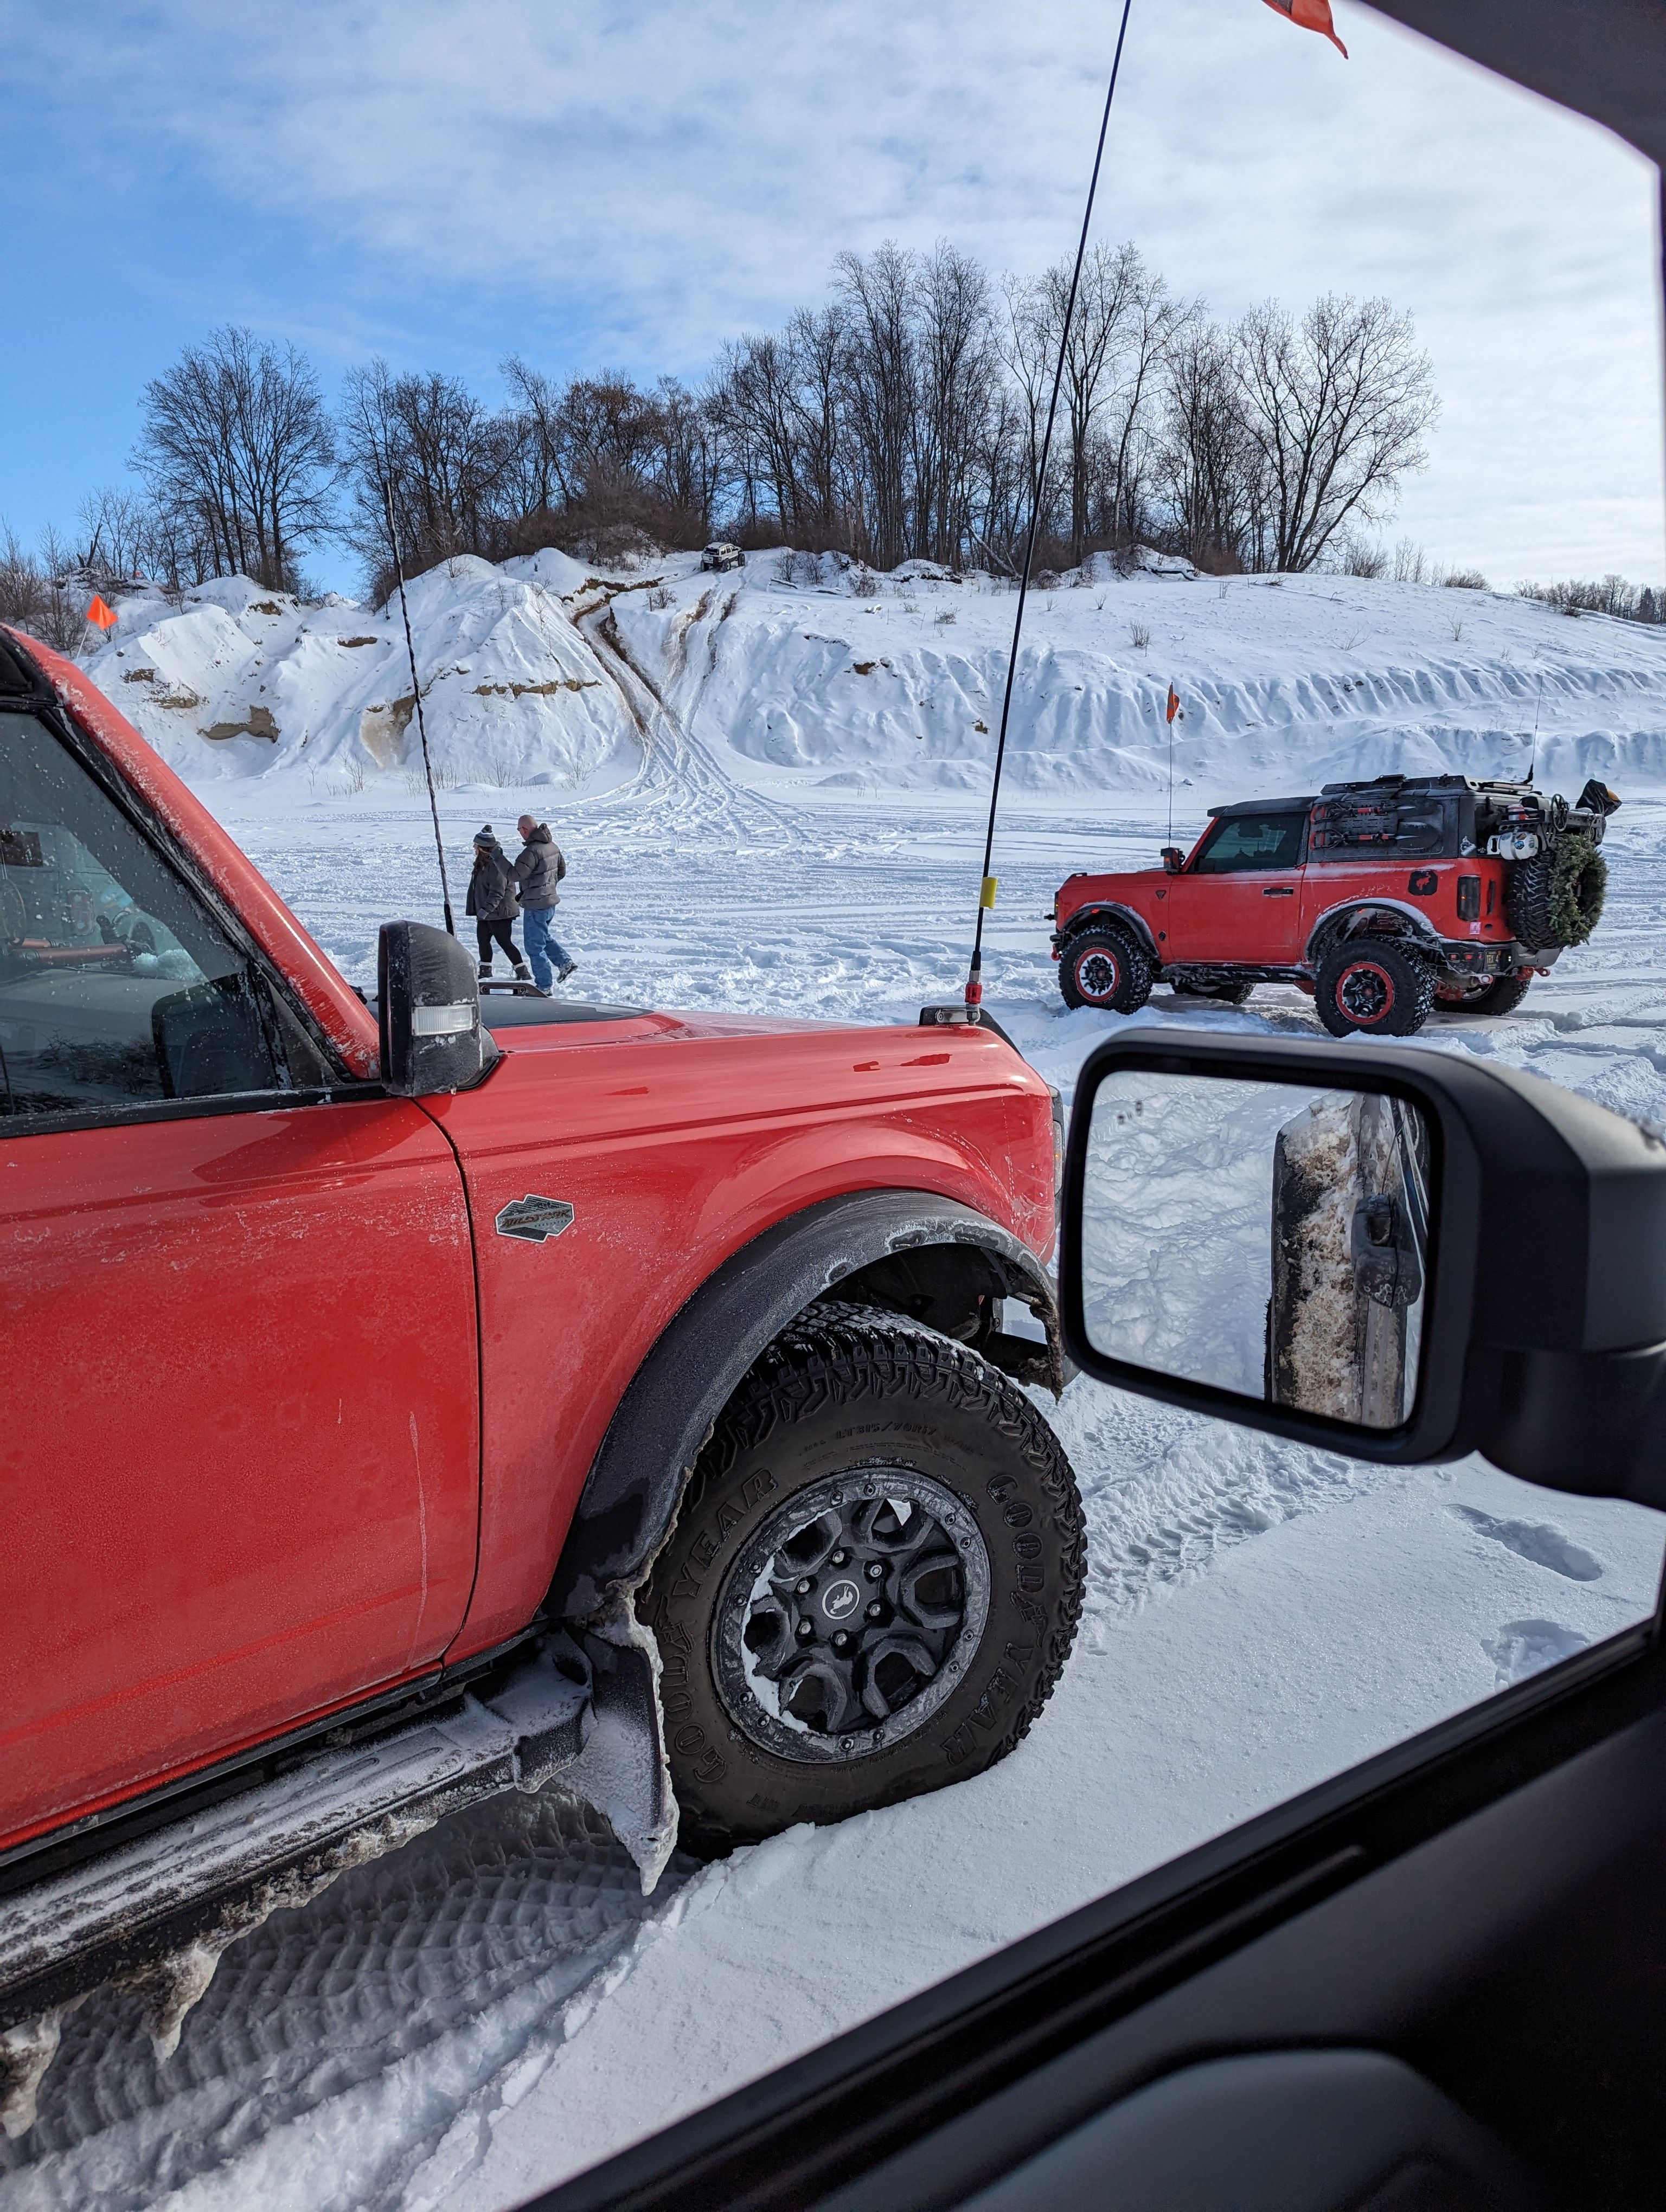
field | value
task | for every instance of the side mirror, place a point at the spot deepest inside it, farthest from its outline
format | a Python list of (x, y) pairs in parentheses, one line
[(1173, 859), (429, 1009), (1398, 1255)]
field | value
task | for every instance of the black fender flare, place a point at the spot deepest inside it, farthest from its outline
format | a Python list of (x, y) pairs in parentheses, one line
[(1086, 917), (1342, 920), (660, 1425)]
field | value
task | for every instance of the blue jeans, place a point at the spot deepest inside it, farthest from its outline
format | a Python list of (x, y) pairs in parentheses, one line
[(542, 947)]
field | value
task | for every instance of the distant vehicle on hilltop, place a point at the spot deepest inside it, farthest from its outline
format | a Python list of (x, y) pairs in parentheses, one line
[(721, 555), (1383, 899)]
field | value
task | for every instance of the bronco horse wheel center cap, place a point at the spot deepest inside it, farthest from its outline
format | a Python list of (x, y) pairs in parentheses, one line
[(841, 1600)]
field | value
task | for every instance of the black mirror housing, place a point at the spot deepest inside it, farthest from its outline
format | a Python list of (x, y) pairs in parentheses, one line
[(428, 1010), (1173, 859), (1544, 1339)]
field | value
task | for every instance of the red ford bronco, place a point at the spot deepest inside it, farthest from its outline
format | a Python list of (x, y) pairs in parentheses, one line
[(1382, 899), (411, 1404)]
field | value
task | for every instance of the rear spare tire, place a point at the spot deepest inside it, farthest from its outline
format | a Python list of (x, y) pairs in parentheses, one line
[(1556, 897), (1371, 985), (872, 1583), (1105, 967)]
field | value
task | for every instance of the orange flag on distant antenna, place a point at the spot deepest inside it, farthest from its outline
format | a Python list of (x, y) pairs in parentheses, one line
[(1312, 16), (1174, 702), (105, 617)]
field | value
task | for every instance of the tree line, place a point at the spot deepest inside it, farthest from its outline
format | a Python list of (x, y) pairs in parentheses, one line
[(901, 418)]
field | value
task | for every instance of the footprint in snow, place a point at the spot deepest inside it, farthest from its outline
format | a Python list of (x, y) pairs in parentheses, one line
[(1537, 1541), (1522, 1648)]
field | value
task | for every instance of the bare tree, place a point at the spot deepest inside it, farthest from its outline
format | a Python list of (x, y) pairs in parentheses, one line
[(757, 411), (958, 371), (880, 368), (237, 451), (1029, 347), (117, 533), (1207, 464), (429, 444), (42, 592), (1336, 407)]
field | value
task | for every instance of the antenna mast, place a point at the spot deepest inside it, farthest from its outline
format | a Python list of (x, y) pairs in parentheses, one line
[(422, 727), (986, 890)]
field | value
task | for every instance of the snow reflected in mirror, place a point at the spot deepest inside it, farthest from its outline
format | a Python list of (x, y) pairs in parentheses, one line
[(1267, 1238)]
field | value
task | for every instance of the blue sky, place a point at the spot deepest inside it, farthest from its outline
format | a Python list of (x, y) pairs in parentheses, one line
[(444, 181)]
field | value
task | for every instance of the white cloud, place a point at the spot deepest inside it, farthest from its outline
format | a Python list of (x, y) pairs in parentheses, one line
[(634, 183)]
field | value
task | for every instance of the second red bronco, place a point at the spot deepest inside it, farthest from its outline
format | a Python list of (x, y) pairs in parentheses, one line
[(1382, 899)]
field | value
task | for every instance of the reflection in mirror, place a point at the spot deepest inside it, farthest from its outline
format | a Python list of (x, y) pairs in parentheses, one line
[(1268, 1239)]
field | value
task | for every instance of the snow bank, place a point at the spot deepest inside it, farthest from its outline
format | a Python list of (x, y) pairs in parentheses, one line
[(802, 673)]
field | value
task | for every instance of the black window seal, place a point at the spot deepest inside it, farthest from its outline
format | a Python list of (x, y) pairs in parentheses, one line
[(150, 826), (350, 1092)]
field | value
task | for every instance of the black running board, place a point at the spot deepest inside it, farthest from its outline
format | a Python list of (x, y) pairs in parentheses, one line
[(155, 1914)]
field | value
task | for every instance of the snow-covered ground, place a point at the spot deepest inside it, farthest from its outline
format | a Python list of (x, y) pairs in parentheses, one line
[(769, 797)]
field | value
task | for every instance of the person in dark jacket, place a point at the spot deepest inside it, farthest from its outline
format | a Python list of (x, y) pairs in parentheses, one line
[(491, 900), (538, 868)]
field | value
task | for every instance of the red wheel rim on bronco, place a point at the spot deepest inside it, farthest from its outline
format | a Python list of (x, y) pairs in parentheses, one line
[(1364, 993), (1099, 975)]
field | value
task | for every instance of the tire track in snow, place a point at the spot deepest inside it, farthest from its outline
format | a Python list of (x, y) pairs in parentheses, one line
[(375, 2015)]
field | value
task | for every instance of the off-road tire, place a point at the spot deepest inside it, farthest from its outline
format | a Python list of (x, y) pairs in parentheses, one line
[(1556, 897), (1503, 994), (1225, 995), (845, 1396), (1105, 967), (1373, 986)]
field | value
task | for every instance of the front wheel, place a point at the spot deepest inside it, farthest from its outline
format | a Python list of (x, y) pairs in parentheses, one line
[(873, 1584), (1371, 985), (1105, 967), (1497, 994)]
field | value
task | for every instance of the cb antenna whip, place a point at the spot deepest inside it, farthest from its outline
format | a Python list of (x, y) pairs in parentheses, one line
[(986, 892), (1533, 757), (422, 727)]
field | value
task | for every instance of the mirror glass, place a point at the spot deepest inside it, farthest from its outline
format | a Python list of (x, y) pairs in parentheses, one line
[(1265, 1237)]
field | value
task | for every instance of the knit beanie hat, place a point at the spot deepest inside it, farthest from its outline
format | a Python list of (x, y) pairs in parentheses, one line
[(486, 837)]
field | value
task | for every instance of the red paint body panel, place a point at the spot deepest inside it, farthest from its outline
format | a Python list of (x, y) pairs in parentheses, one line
[(1267, 918), (239, 1448), (674, 1151), (289, 1421)]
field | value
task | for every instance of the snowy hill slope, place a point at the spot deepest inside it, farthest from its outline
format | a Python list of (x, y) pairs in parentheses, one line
[(789, 679)]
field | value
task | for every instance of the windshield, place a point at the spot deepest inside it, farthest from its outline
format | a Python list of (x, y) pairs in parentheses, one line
[(611, 443)]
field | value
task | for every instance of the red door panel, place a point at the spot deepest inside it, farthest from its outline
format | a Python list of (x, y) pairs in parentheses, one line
[(1253, 916), (239, 1449)]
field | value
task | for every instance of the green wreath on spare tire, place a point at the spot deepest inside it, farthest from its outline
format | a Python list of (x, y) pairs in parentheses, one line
[(1556, 897)]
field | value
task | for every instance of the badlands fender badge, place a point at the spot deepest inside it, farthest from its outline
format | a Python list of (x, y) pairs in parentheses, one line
[(534, 1220)]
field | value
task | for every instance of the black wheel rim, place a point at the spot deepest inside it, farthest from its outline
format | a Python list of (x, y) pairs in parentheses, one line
[(851, 1615), (1097, 974), (1365, 993)]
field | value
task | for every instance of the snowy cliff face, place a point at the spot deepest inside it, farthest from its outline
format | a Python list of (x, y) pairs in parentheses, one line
[(801, 673)]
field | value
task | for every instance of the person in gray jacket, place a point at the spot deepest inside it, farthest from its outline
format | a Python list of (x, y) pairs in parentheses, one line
[(491, 900), (538, 868)]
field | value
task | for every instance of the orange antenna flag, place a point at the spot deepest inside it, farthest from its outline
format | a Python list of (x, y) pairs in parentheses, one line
[(1174, 702), (105, 615), (1312, 15)]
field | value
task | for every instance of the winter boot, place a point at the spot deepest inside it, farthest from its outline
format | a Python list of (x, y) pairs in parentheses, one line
[(567, 970), (485, 970), (523, 973)]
